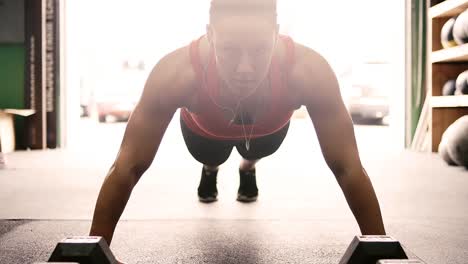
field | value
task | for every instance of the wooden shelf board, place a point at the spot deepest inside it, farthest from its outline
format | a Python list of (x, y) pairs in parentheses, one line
[(454, 54), (448, 8), (449, 101)]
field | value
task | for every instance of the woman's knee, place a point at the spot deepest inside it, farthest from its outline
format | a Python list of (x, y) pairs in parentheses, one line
[(212, 158)]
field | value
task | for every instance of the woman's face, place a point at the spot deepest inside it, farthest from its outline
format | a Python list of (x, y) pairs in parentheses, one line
[(243, 47)]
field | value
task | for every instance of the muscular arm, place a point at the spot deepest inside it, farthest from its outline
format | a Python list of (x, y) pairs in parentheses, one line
[(320, 92), (164, 92)]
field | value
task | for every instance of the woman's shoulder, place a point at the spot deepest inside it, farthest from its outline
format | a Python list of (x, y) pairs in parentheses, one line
[(310, 73), (173, 77)]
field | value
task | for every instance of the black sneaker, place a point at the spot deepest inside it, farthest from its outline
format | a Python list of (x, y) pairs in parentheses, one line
[(207, 191), (248, 191)]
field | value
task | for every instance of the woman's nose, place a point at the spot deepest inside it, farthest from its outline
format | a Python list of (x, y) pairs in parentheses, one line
[(245, 64)]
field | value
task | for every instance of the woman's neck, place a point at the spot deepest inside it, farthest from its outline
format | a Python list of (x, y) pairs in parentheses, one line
[(248, 101)]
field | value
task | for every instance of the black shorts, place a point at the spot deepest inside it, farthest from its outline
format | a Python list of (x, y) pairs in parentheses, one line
[(214, 152)]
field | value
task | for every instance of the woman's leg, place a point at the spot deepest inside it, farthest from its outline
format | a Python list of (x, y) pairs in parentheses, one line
[(211, 153), (259, 148)]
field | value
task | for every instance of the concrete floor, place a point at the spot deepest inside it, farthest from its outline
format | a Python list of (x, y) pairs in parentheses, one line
[(301, 215)]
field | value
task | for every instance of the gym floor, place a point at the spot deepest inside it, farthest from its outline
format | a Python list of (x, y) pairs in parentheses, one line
[(301, 215)]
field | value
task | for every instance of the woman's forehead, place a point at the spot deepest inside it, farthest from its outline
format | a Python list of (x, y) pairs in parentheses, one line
[(233, 27)]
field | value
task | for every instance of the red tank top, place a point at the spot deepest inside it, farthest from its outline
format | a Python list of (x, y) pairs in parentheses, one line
[(210, 122)]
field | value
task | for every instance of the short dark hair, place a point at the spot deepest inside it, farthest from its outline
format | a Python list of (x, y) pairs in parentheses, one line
[(264, 8)]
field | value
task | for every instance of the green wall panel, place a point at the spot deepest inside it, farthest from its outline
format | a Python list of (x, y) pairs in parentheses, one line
[(12, 83)]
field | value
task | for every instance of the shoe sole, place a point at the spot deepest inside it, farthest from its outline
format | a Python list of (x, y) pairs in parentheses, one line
[(208, 199), (245, 199)]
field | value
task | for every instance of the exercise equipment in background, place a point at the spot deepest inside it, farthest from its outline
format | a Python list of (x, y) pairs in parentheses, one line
[(460, 28), (462, 83), (446, 34), (453, 147), (444, 153), (449, 88)]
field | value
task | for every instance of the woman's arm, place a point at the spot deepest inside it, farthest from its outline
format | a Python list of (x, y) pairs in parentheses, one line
[(320, 93), (167, 88)]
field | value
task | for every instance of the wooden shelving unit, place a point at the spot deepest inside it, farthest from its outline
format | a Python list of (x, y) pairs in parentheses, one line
[(459, 53), (449, 101), (448, 8), (444, 65)]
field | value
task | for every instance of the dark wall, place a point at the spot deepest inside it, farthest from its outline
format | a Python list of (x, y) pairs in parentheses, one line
[(11, 21), (12, 60)]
